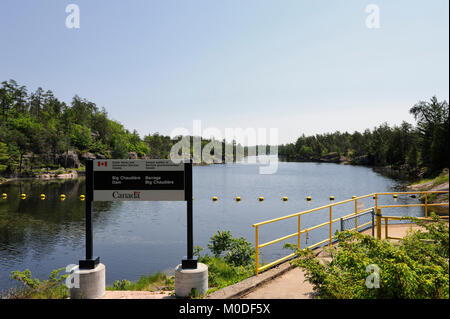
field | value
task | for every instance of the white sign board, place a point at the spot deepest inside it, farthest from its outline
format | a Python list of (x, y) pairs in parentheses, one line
[(138, 180)]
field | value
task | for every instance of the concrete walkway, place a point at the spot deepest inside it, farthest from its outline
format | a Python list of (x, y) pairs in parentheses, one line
[(399, 230), (290, 285)]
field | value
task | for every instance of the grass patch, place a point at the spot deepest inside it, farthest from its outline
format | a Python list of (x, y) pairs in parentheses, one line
[(423, 181), (155, 282), (442, 178), (222, 274)]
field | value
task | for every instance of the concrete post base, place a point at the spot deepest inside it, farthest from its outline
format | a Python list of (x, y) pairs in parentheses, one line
[(188, 279), (91, 283)]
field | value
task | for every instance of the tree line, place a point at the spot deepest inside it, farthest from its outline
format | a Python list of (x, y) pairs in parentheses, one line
[(422, 148), (41, 126), (38, 126)]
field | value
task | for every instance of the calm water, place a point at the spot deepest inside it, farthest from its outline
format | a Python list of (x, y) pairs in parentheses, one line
[(137, 238)]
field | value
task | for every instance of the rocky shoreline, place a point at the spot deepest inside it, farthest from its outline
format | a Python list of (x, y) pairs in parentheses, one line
[(440, 183), (46, 176)]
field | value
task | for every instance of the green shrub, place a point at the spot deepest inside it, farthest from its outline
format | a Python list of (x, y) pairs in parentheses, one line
[(220, 242), (240, 252), (121, 284), (236, 251), (415, 267), (232, 260), (53, 288)]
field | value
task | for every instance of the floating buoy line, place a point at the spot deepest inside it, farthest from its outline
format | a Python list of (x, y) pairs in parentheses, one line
[(82, 197)]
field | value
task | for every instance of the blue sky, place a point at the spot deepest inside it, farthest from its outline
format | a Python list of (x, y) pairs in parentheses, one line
[(299, 66)]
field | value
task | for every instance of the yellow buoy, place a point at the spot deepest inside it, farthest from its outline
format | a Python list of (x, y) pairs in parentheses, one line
[(82, 197), (23, 196), (63, 197), (4, 195), (238, 199), (285, 199), (214, 199), (42, 196), (261, 199), (308, 198), (331, 197)]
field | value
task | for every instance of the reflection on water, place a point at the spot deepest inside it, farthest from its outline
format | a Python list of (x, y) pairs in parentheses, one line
[(136, 238)]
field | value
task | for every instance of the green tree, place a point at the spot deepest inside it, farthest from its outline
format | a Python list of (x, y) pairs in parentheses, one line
[(412, 158), (4, 157), (81, 137), (433, 127), (119, 147), (24, 134)]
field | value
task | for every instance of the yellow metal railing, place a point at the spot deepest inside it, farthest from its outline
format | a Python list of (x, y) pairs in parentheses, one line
[(331, 221)]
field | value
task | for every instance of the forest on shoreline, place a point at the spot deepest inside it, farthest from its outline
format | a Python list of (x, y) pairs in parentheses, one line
[(38, 131), (421, 149)]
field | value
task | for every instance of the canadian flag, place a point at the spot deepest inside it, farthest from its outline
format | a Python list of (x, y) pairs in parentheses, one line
[(102, 164)]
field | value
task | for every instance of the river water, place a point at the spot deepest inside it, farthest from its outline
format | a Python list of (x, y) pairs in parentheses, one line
[(138, 238)]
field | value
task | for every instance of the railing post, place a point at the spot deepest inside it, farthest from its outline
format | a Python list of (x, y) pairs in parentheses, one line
[(299, 233), (373, 223), (386, 228), (256, 250), (331, 226), (378, 214), (356, 215), (376, 202), (426, 204)]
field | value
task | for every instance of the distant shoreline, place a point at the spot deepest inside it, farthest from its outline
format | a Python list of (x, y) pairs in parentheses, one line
[(46, 177)]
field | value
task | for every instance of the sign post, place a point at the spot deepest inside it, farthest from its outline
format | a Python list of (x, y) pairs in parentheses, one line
[(138, 180), (189, 262), (90, 262)]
